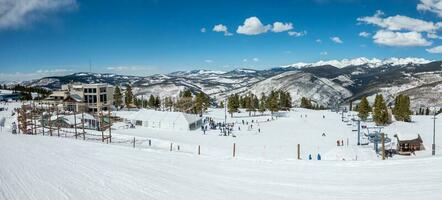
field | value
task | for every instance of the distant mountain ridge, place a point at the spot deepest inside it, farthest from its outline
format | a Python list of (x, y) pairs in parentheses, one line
[(325, 82)]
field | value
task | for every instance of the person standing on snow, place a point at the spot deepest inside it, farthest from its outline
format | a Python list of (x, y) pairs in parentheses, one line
[(310, 156), (319, 156)]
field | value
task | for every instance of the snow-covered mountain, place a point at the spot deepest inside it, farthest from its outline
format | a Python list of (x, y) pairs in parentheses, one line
[(325, 82), (374, 62)]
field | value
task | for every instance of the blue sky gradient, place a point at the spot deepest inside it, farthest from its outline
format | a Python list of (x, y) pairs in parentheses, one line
[(160, 36)]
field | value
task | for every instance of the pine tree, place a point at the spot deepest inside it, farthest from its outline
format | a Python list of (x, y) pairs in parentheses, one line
[(128, 99), (157, 102), (232, 104), (117, 97), (306, 103), (363, 108), (262, 103), (272, 102), (401, 109), (151, 101), (380, 111), (202, 102)]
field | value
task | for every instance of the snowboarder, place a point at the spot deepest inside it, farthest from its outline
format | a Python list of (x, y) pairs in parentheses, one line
[(319, 156)]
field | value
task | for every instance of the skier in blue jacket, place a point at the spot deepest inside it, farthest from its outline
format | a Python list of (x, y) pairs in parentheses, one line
[(319, 156)]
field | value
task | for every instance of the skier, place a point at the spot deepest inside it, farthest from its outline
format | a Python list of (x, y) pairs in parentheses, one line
[(338, 143), (342, 142), (323, 135), (319, 156), (259, 130), (14, 128), (323, 116), (310, 156)]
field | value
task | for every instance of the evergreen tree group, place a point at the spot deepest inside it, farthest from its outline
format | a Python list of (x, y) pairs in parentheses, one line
[(401, 110), (307, 103), (26, 91), (274, 102)]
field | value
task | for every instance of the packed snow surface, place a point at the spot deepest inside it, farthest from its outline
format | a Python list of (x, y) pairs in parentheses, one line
[(265, 166)]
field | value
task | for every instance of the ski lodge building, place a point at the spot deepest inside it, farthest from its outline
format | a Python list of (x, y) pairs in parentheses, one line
[(161, 120), (83, 97)]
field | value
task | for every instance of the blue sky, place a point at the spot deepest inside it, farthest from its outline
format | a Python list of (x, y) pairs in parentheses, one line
[(40, 38)]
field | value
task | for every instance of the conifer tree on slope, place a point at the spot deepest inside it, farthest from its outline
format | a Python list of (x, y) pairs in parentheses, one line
[(364, 108), (117, 97), (128, 99), (380, 111)]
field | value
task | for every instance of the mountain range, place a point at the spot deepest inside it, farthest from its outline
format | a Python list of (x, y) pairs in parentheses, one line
[(325, 82)]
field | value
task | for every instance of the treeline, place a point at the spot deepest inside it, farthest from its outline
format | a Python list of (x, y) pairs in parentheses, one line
[(186, 101), (381, 115), (307, 103), (274, 102), (26, 91), (426, 111)]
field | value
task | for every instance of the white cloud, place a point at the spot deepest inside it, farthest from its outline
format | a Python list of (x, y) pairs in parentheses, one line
[(364, 34), (244, 60), (336, 39), (437, 49), (281, 27), (20, 76), (400, 23), (222, 28), (297, 34), (324, 53), (255, 59), (203, 30), (137, 70), (16, 14), (433, 36), (318, 40), (253, 26), (208, 61), (390, 38), (434, 6)]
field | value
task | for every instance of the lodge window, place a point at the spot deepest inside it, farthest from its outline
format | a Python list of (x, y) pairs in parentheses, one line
[(102, 90)]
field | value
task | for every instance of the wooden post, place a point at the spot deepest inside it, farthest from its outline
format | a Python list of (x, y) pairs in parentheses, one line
[(18, 121), (75, 124), (42, 120), (82, 124), (134, 142), (383, 145), (234, 149), (110, 125), (101, 126), (199, 150), (58, 124), (299, 151), (49, 121), (170, 146)]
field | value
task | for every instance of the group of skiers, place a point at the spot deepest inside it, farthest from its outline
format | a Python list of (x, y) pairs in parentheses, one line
[(318, 157)]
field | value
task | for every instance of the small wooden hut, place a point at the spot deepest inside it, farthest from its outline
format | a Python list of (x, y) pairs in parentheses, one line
[(408, 144)]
